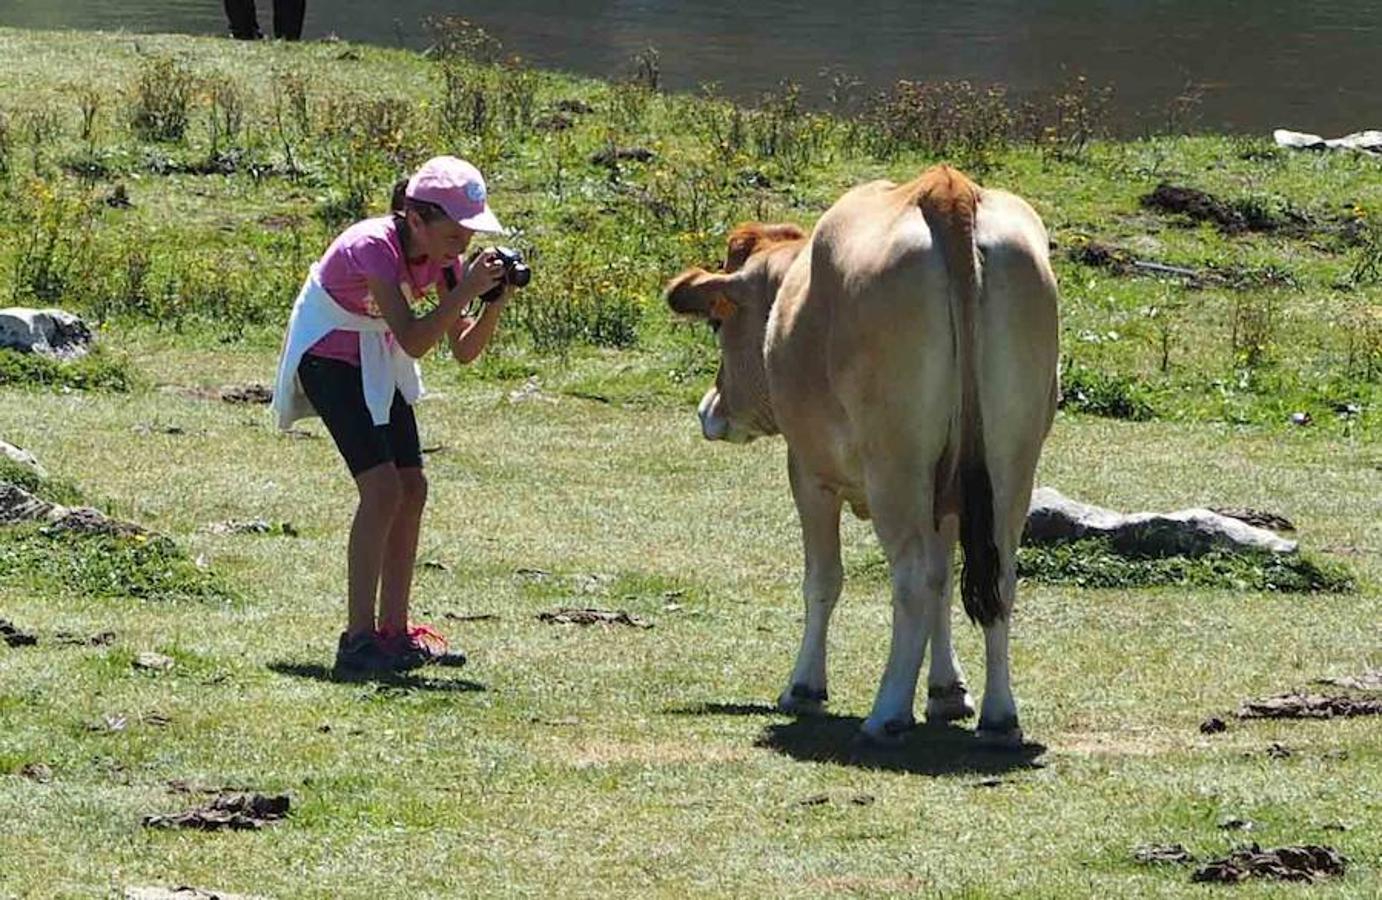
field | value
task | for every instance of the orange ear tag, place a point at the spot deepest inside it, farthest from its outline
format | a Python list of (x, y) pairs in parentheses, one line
[(721, 307)]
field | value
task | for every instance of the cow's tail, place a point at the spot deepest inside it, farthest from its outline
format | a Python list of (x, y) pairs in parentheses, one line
[(950, 202)]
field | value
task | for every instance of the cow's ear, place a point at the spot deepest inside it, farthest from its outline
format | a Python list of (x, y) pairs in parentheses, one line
[(742, 242), (749, 237), (702, 294)]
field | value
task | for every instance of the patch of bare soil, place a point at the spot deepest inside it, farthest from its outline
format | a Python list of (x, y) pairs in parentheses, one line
[(1309, 706), (592, 616), (72, 639), (37, 771), (11, 634), (239, 812), (1305, 863), (1231, 218), (1162, 853)]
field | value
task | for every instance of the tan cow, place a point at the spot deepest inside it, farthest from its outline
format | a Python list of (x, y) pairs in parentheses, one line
[(907, 351)]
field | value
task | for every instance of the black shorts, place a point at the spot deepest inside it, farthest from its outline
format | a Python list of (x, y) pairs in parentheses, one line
[(337, 392)]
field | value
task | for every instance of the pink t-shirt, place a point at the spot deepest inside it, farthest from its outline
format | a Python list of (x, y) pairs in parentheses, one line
[(364, 250)]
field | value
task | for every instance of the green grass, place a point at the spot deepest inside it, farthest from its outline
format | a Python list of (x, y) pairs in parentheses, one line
[(570, 761), (632, 762)]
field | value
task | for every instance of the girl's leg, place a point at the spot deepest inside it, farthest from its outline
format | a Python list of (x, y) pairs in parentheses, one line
[(380, 501), (400, 544), (400, 552)]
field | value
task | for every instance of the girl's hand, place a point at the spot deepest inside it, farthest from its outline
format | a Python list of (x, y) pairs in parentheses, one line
[(482, 272), (503, 297)]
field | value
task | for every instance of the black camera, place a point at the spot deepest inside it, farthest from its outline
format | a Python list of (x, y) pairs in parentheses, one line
[(516, 273)]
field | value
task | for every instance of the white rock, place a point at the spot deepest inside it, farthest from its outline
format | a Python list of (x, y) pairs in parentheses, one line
[(23, 457), (51, 332)]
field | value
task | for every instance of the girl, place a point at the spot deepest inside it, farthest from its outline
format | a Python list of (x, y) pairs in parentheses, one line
[(350, 357)]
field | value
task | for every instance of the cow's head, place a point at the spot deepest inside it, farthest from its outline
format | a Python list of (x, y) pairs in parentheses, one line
[(736, 302)]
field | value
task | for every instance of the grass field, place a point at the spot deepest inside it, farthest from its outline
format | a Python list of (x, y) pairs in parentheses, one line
[(618, 761)]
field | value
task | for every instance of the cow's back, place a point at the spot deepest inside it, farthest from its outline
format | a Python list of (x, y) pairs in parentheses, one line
[(862, 346)]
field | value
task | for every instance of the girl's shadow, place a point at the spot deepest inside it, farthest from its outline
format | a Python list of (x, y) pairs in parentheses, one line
[(393, 680)]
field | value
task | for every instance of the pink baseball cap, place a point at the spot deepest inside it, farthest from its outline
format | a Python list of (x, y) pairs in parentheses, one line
[(459, 189)]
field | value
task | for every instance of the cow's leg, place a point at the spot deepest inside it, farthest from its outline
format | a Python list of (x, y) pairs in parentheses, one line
[(998, 723), (819, 510), (947, 695), (919, 572)]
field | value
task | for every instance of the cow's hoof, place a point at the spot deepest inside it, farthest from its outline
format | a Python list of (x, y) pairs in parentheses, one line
[(800, 700), (891, 733), (1005, 735), (947, 704)]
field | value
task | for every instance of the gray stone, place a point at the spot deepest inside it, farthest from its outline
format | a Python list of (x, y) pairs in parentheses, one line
[(51, 332), (1362, 141), (18, 505), (23, 457), (1054, 518)]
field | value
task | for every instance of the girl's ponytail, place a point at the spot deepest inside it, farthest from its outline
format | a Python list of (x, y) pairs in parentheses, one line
[(399, 200)]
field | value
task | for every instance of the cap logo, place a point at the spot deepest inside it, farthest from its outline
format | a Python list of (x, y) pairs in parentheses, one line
[(475, 192)]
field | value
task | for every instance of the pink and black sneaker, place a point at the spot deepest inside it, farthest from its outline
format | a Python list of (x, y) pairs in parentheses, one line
[(361, 654), (418, 646)]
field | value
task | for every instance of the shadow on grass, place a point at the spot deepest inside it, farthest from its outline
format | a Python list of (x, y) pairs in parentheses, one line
[(391, 680), (929, 750)]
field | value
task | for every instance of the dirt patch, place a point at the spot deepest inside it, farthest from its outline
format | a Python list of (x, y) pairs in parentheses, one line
[(72, 639), (36, 771), (577, 107), (239, 812), (471, 617), (1305, 863), (553, 122), (12, 635), (1231, 218), (247, 393), (610, 157), (1155, 854), (592, 616), (1309, 706)]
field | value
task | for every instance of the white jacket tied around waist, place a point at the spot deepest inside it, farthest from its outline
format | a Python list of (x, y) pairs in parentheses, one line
[(384, 366)]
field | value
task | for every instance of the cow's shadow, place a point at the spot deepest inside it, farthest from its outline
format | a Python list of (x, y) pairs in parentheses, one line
[(935, 750)]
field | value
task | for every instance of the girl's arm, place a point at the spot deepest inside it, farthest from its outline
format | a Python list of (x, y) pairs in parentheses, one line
[(468, 337), (418, 334)]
